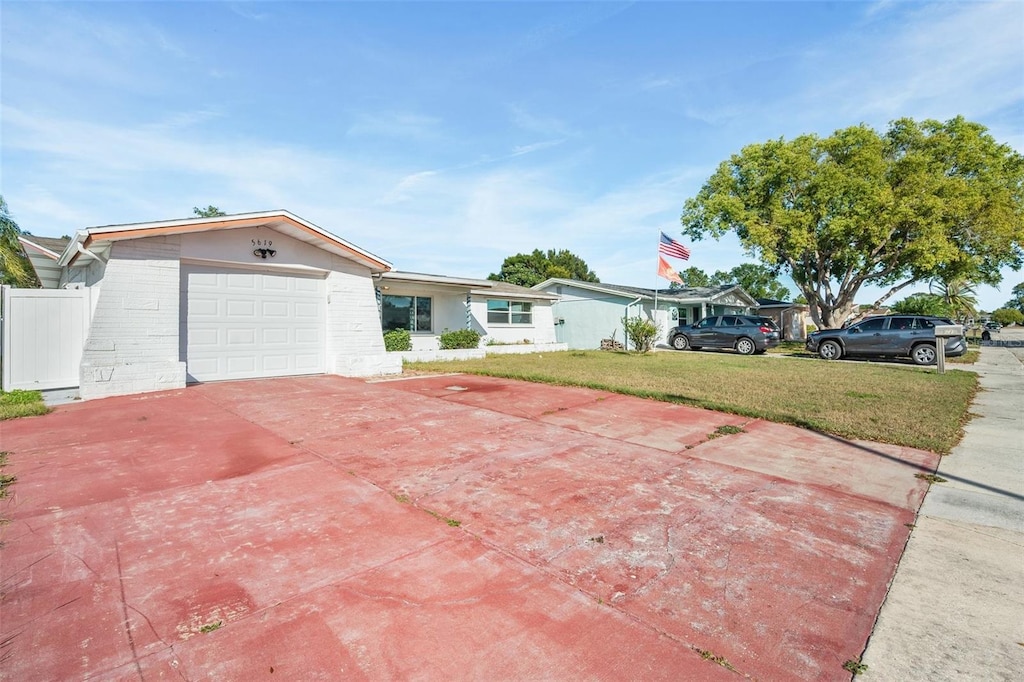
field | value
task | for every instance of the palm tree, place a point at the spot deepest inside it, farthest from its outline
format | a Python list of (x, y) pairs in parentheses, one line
[(958, 294), (15, 268)]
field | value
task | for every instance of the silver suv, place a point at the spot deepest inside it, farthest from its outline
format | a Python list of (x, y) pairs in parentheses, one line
[(910, 336)]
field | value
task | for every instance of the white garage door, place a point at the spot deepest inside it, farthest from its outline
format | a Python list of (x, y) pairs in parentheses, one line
[(239, 324)]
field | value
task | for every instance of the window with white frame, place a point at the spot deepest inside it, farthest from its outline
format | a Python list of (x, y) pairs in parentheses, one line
[(509, 312), (405, 312)]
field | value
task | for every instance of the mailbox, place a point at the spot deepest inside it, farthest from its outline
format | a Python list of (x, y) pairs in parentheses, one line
[(942, 332)]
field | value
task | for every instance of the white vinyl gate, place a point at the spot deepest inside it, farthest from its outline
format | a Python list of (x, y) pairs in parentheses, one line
[(44, 332)]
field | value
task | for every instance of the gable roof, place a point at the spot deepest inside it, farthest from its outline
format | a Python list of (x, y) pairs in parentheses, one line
[(281, 221), (774, 303), (680, 295), (43, 253)]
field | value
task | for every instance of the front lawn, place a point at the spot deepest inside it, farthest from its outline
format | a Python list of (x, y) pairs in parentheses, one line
[(888, 403), (21, 404)]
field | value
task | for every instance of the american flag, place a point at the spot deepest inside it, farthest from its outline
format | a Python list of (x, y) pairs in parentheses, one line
[(670, 247)]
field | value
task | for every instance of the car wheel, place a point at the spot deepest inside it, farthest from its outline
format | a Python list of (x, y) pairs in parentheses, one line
[(923, 354), (680, 342), (745, 346), (830, 350)]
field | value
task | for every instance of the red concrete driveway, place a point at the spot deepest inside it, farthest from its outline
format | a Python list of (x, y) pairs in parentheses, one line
[(449, 527)]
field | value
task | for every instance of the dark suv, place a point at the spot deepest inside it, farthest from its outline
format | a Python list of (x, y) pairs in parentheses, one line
[(910, 336), (747, 334)]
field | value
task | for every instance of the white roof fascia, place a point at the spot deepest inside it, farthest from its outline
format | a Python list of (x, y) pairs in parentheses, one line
[(498, 293), (592, 287), (38, 247), (255, 218), (419, 278)]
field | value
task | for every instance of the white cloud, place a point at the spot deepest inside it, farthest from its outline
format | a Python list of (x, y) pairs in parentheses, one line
[(937, 61), (395, 125)]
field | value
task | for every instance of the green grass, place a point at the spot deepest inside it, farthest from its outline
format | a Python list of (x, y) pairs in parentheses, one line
[(888, 402), (14, 404)]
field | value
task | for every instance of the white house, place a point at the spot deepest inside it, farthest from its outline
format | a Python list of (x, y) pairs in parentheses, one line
[(231, 297), (427, 305), (151, 306)]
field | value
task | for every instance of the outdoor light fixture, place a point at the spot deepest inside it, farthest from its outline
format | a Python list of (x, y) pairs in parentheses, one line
[(263, 253)]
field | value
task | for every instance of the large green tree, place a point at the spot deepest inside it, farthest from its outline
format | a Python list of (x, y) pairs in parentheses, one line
[(15, 268), (923, 201), (527, 269), (757, 280), (1017, 302)]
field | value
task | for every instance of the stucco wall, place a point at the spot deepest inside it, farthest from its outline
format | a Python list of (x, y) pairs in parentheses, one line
[(589, 317)]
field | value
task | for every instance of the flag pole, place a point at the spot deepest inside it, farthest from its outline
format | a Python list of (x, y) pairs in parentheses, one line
[(656, 277)]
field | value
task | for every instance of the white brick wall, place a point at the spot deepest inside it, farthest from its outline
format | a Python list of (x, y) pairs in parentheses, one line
[(133, 339), (355, 344)]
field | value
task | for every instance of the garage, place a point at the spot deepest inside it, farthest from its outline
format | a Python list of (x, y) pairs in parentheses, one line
[(248, 324), (243, 296)]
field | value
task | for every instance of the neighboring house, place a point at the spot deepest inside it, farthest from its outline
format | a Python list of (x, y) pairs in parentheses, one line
[(43, 253), (588, 312), (230, 297), (792, 318), (427, 305)]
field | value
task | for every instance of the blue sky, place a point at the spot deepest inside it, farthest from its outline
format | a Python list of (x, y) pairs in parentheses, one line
[(446, 136)]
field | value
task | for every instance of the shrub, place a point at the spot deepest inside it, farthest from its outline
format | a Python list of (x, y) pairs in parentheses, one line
[(641, 333), (460, 338), (1008, 316), (397, 340)]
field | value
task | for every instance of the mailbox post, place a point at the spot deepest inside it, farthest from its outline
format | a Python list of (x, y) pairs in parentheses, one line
[(943, 332)]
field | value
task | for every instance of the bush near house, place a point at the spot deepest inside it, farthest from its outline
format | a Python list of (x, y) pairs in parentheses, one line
[(640, 332), (460, 338), (397, 340)]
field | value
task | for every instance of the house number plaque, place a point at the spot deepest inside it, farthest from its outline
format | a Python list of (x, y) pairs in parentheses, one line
[(261, 248)]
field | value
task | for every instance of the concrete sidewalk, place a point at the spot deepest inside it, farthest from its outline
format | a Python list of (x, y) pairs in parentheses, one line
[(955, 610)]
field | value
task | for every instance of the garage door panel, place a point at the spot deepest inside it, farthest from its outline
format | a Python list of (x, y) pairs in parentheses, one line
[(307, 286), (203, 337), (307, 336), (241, 337), (240, 365), (277, 284), (278, 309), (307, 364), (251, 324), (274, 336), (203, 307), (237, 280)]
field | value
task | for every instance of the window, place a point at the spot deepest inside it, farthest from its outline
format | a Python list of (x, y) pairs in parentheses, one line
[(873, 324), (901, 323), (509, 312), (405, 312)]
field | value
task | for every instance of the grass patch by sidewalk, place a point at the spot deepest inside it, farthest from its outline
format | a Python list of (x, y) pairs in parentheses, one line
[(19, 403), (888, 403)]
